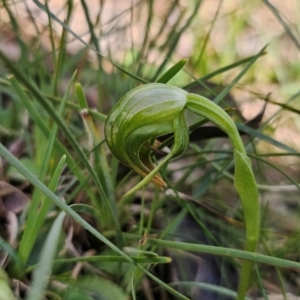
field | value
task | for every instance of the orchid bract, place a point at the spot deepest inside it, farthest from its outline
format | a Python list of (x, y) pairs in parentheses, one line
[(155, 109)]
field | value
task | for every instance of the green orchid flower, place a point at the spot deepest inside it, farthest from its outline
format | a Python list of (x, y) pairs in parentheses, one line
[(155, 109), (138, 118)]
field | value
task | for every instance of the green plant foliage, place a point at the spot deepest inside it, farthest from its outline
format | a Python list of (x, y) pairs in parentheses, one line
[(152, 110), (66, 229), (90, 287)]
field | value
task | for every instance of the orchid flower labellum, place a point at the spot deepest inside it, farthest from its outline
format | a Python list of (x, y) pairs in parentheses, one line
[(155, 109)]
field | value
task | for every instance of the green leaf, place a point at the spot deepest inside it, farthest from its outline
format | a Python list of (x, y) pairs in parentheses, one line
[(168, 75), (103, 288), (43, 271), (229, 252)]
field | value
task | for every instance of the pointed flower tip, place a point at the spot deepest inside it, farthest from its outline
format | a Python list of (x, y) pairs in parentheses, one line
[(159, 182)]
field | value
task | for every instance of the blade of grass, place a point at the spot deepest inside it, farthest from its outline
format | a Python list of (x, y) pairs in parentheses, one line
[(260, 284), (222, 251), (43, 271), (132, 287), (106, 258), (169, 74), (141, 54), (91, 26), (279, 275), (51, 36), (59, 63)]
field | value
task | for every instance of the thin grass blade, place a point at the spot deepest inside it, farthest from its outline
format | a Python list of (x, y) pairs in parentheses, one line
[(43, 271), (169, 74)]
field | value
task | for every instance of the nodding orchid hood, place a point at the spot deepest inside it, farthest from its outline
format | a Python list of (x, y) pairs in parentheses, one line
[(142, 115)]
